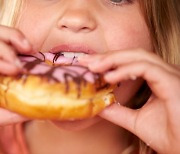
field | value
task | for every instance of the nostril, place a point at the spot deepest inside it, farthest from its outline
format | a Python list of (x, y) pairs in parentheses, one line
[(75, 21), (63, 26), (84, 28), (75, 27)]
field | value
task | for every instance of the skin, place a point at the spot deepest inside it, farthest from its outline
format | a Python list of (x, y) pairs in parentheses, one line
[(86, 23), (119, 43), (12, 41), (157, 122)]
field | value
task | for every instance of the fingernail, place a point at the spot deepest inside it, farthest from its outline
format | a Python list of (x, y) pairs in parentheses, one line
[(18, 63), (133, 77)]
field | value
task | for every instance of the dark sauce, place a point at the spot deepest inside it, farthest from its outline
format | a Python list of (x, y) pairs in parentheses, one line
[(70, 75)]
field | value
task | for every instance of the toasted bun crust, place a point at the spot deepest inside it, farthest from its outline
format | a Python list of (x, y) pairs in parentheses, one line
[(36, 96)]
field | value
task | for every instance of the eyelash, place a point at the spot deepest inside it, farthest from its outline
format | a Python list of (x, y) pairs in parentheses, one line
[(121, 2)]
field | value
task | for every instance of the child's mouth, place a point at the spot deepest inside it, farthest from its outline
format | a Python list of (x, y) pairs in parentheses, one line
[(63, 58), (67, 54)]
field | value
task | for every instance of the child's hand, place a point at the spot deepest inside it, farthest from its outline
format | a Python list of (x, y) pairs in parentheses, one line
[(157, 123), (11, 41), (8, 118)]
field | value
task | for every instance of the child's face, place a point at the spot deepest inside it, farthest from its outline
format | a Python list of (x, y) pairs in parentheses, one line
[(91, 25)]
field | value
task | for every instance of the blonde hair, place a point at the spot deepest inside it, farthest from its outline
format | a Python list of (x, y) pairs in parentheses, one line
[(162, 17), (9, 10), (162, 20)]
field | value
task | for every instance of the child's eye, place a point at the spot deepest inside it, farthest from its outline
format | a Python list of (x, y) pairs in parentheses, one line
[(119, 2)]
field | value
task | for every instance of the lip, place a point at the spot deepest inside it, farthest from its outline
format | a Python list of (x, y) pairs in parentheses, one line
[(77, 125), (72, 48)]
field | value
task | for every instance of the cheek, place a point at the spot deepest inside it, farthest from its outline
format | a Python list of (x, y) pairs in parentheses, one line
[(128, 34), (35, 26), (33, 31)]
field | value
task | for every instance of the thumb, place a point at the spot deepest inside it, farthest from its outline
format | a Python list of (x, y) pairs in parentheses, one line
[(121, 116)]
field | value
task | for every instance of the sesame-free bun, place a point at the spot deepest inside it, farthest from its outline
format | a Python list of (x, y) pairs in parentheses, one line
[(55, 92)]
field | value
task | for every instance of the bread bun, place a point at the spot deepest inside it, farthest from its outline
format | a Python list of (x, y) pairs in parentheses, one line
[(46, 90)]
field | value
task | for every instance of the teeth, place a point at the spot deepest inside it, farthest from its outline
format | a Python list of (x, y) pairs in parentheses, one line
[(68, 54), (73, 54), (80, 54)]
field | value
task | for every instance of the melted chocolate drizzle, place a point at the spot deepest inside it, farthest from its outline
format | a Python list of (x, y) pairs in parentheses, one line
[(77, 78), (43, 56), (29, 66), (57, 55)]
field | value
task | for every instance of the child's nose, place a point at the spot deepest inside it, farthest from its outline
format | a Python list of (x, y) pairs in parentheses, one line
[(77, 20)]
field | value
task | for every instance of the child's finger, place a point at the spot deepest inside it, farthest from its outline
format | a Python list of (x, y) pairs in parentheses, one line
[(120, 115), (132, 120), (15, 38), (88, 59), (9, 63), (106, 61), (7, 117), (8, 68), (157, 77), (7, 53)]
